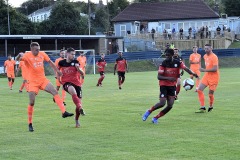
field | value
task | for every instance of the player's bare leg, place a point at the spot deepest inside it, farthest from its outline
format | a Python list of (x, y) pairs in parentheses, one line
[(77, 102), (50, 89), (201, 98)]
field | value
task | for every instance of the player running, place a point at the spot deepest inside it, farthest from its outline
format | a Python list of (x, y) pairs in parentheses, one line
[(121, 66), (58, 84), (195, 64), (71, 80), (178, 86), (34, 61), (168, 74), (83, 63), (23, 69), (9, 67), (210, 78), (101, 64)]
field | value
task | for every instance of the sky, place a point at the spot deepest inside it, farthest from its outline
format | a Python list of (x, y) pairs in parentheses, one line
[(17, 3)]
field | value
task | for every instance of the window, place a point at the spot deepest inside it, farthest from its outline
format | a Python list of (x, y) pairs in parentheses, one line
[(122, 30), (167, 26), (186, 26), (42, 18), (192, 24), (37, 19)]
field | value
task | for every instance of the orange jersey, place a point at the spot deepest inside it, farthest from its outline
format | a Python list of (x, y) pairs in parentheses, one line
[(9, 64), (35, 65), (57, 61), (210, 61), (23, 68), (195, 57), (82, 61)]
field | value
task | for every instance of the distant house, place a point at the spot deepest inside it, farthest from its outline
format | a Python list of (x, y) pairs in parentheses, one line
[(143, 17), (41, 14)]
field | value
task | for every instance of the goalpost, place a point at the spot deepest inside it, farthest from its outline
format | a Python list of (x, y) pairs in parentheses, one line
[(90, 58)]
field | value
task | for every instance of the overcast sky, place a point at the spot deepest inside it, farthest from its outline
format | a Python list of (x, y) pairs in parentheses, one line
[(17, 3)]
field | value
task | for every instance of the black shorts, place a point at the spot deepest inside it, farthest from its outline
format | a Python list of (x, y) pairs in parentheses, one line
[(166, 91), (101, 73), (77, 88), (121, 74)]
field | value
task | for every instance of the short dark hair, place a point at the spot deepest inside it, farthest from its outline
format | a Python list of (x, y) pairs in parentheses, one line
[(170, 51), (70, 50), (34, 44), (209, 45)]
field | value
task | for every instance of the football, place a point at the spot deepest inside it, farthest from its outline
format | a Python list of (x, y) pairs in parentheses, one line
[(188, 84)]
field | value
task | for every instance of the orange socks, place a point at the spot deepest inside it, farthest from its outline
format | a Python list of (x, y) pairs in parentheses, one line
[(201, 98), (211, 99), (59, 102), (30, 114), (63, 95)]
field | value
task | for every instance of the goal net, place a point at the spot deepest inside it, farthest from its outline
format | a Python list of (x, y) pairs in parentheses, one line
[(88, 53)]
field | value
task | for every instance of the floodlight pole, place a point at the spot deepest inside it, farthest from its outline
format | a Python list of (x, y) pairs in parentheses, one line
[(89, 20), (8, 18)]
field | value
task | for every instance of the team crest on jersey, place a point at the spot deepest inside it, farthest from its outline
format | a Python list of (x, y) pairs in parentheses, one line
[(72, 64), (175, 65)]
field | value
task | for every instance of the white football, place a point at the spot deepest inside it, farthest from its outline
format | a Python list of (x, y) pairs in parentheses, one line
[(188, 84)]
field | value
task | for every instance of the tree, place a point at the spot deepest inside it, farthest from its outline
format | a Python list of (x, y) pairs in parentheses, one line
[(232, 7), (101, 21), (64, 19), (116, 6), (19, 24), (31, 6)]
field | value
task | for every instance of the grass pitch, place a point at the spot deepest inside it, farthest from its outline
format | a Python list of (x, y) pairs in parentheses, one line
[(113, 129)]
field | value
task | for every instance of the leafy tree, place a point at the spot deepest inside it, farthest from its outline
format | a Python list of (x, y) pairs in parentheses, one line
[(101, 21), (19, 24), (232, 7), (64, 19), (116, 6), (31, 6)]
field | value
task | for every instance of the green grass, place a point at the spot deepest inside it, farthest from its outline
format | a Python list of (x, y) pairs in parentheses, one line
[(235, 45), (113, 129)]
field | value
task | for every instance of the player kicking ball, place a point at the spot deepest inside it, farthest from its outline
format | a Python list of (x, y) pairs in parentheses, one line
[(168, 74), (71, 81)]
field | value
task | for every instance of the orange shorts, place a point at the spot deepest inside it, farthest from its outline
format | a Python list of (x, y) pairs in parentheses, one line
[(10, 75), (35, 86), (58, 83), (210, 82)]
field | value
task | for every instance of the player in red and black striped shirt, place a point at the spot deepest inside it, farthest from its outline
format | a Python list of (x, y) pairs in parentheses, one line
[(70, 79), (121, 66), (168, 74), (101, 64)]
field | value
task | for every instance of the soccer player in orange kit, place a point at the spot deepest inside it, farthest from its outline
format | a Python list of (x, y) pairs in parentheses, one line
[(9, 67), (210, 78), (34, 61), (195, 64)]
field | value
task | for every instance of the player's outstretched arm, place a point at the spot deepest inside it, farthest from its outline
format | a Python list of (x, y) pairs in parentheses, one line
[(190, 72), (213, 69), (53, 66), (19, 56)]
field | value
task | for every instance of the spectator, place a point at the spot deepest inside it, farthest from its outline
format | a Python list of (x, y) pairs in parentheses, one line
[(165, 34), (190, 33), (181, 33), (207, 33), (194, 33), (218, 30), (153, 32), (210, 31)]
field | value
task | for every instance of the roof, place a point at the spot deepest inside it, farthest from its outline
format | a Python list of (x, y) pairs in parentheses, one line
[(42, 10), (191, 9)]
